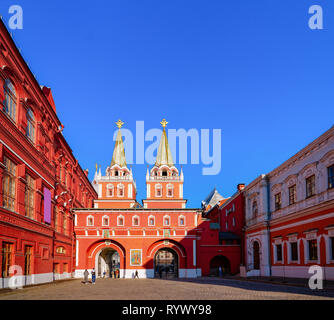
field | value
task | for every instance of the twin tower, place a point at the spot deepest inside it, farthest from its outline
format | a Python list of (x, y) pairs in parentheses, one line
[(117, 189)]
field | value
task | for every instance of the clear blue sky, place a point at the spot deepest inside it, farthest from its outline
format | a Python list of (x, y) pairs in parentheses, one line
[(252, 68)]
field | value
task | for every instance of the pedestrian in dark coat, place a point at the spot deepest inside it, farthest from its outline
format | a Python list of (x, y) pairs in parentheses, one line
[(93, 276), (86, 274)]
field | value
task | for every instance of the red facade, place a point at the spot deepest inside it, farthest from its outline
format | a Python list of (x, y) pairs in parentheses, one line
[(35, 160)]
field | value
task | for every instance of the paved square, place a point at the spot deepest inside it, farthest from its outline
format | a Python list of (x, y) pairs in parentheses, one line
[(156, 289)]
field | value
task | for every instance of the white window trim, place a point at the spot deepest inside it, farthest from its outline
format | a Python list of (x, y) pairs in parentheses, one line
[(87, 224), (170, 187), (110, 187), (118, 224), (105, 217), (133, 219), (164, 217), (148, 221), (156, 189), (184, 220), (120, 186)]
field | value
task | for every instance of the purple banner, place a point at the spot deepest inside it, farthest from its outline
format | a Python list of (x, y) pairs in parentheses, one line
[(47, 205)]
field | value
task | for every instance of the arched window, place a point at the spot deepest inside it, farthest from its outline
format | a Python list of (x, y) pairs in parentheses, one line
[(120, 190), (120, 221), (254, 209), (10, 99), (170, 190), (90, 221), (105, 221), (151, 221), (30, 131), (182, 221), (158, 190), (110, 190), (135, 221), (166, 220), (164, 173)]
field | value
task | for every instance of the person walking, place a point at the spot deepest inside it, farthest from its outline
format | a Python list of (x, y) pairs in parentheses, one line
[(93, 276), (104, 274), (220, 272), (136, 274), (117, 273), (86, 274)]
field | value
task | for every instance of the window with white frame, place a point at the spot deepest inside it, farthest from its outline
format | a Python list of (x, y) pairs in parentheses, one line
[(310, 186), (105, 221), (170, 190), (182, 221), (135, 221), (279, 254), (166, 220), (254, 209), (331, 239), (110, 190), (158, 190), (120, 190), (30, 130), (312, 249), (294, 251), (10, 101), (90, 221), (151, 221), (120, 221)]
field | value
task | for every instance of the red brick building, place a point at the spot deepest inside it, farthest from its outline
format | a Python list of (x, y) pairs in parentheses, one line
[(40, 179)]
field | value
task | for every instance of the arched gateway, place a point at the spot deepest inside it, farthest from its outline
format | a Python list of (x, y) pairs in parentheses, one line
[(166, 264), (108, 261)]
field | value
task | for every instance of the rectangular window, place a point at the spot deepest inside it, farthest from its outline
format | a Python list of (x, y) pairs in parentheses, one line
[(312, 250), (278, 201), (7, 251), (106, 234), (330, 177), (279, 252), (332, 247), (294, 251), (64, 224), (56, 218), (29, 196), (9, 184), (27, 260), (292, 195), (310, 186)]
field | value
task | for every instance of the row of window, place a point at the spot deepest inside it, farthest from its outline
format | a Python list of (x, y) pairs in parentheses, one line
[(136, 221), (9, 195), (10, 108), (310, 189), (7, 259), (312, 250)]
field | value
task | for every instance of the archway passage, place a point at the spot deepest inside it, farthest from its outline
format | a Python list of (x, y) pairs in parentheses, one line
[(166, 264), (109, 262), (219, 265), (256, 255)]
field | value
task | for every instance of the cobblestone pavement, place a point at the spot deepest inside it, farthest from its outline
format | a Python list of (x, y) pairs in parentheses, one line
[(157, 289)]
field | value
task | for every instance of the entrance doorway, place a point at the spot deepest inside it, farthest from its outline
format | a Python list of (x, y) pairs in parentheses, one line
[(256, 255), (222, 263), (166, 264), (108, 261)]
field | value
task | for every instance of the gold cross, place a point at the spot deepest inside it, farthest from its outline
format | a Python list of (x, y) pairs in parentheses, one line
[(164, 123), (119, 124)]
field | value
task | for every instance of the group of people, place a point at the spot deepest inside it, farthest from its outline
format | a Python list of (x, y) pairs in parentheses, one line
[(113, 274)]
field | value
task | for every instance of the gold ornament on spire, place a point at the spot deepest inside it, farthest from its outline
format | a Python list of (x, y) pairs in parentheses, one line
[(164, 123), (119, 124), (96, 166)]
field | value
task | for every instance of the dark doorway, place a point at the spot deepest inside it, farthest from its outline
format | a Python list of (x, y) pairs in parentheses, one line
[(256, 255), (222, 263), (166, 264)]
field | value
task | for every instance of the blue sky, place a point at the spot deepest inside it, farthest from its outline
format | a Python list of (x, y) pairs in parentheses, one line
[(252, 68)]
